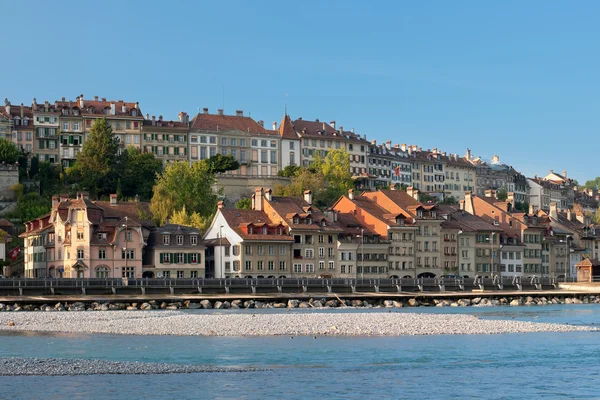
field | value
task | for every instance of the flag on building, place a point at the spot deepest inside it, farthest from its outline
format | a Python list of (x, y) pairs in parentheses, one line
[(14, 253), (397, 170)]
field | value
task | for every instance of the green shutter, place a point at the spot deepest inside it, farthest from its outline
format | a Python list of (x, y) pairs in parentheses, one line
[(41, 145), (70, 139), (186, 258), (198, 255)]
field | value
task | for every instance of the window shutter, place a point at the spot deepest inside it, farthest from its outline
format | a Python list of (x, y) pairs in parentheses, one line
[(41, 145), (187, 258), (161, 255), (70, 139), (198, 255)]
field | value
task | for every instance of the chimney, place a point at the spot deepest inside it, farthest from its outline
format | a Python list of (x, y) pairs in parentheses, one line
[(268, 194), (239, 113), (63, 100), (351, 194), (261, 123), (374, 142), (160, 118), (564, 174), (205, 110), (510, 197), (63, 197), (7, 106), (81, 101), (468, 154), (397, 146), (147, 116), (532, 209), (274, 125), (461, 204), (220, 204), (95, 98), (490, 193), (410, 191), (341, 129), (55, 201), (332, 123), (220, 111), (113, 110), (495, 159), (569, 215), (123, 108), (153, 120), (403, 146), (113, 199), (258, 199), (468, 203), (323, 126), (46, 105), (22, 112), (308, 197), (137, 105)]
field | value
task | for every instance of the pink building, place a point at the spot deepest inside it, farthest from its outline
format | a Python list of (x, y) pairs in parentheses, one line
[(85, 239)]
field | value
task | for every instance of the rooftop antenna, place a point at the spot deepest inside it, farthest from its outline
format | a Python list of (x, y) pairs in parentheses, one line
[(285, 105)]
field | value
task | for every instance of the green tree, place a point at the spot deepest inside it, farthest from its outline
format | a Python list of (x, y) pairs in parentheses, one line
[(194, 220), (9, 152), (288, 171), (23, 157), (593, 184), (34, 167), (449, 200), (30, 206), (244, 204), (137, 172), (220, 163), (521, 206), (502, 194), (49, 177), (96, 161), (182, 184)]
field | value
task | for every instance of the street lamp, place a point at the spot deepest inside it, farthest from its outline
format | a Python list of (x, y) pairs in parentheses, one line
[(458, 252), (124, 274), (221, 265)]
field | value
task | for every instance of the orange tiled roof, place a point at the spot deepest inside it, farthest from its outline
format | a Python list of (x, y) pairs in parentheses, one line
[(215, 123)]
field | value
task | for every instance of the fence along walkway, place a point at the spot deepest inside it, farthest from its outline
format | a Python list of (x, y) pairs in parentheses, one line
[(266, 286)]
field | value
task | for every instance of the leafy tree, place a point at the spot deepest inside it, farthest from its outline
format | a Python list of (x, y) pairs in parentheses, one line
[(220, 163), (522, 206), (34, 167), (119, 189), (23, 157), (593, 184), (244, 204), (30, 206), (96, 161), (137, 173), (9, 152), (49, 177), (182, 184), (502, 194), (288, 171), (449, 200), (194, 220)]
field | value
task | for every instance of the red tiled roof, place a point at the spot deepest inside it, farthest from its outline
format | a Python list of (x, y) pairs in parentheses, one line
[(215, 123), (323, 130), (286, 129), (287, 207), (236, 218), (99, 106)]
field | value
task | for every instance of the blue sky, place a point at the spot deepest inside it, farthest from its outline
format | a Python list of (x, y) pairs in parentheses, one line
[(513, 78)]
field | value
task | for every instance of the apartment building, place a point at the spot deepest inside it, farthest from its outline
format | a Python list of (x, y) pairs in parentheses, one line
[(428, 172), (317, 137), (174, 251), (22, 130), (381, 166), (85, 239), (5, 121), (125, 118), (519, 228), (71, 131), (167, 140), (46, 127), (460, 176), (397, 230)]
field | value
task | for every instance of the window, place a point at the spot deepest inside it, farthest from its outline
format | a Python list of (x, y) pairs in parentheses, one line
[(79, 253), (227, 266), (282, 250), (128, 272), (129, 253), (331, 265), (167, 274), (227, 250), (193, 257), (271, 250), (298, 268), (310, 268), (180, 274), (259, 265), (102, 272), (271, 265), (282, 266), (128, 236), (321, 252), (166, 240), (193, 240), (180, 240), (248, 266), (193, 274), (309, 253), (79, 234), (180, 258), (260, 250), (102, 254)]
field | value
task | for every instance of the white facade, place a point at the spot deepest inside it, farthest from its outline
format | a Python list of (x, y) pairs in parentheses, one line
[(290, 152), (222, 257), (511, 260)]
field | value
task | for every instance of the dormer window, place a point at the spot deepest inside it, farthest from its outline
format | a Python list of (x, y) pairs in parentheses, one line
[(179, 240), (296, 220), (279, 231), (166, 240), (400, 221), (250, 230), (419, 213), (264, 230), (308, 221), (134, 113), (433, 214)]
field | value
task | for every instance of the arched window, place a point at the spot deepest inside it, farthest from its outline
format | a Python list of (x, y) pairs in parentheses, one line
[(102, 271)]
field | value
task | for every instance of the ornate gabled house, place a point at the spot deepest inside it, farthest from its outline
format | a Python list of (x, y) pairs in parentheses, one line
[(85, 239)]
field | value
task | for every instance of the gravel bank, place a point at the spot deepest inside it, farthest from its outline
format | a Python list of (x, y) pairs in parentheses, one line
[(14, 366), (293, 324)]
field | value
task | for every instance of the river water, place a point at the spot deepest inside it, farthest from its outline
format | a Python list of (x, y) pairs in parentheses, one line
[(509, 366)]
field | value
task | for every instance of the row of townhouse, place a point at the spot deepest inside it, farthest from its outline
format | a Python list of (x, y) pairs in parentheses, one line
[(374, 234), (55, 132)]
